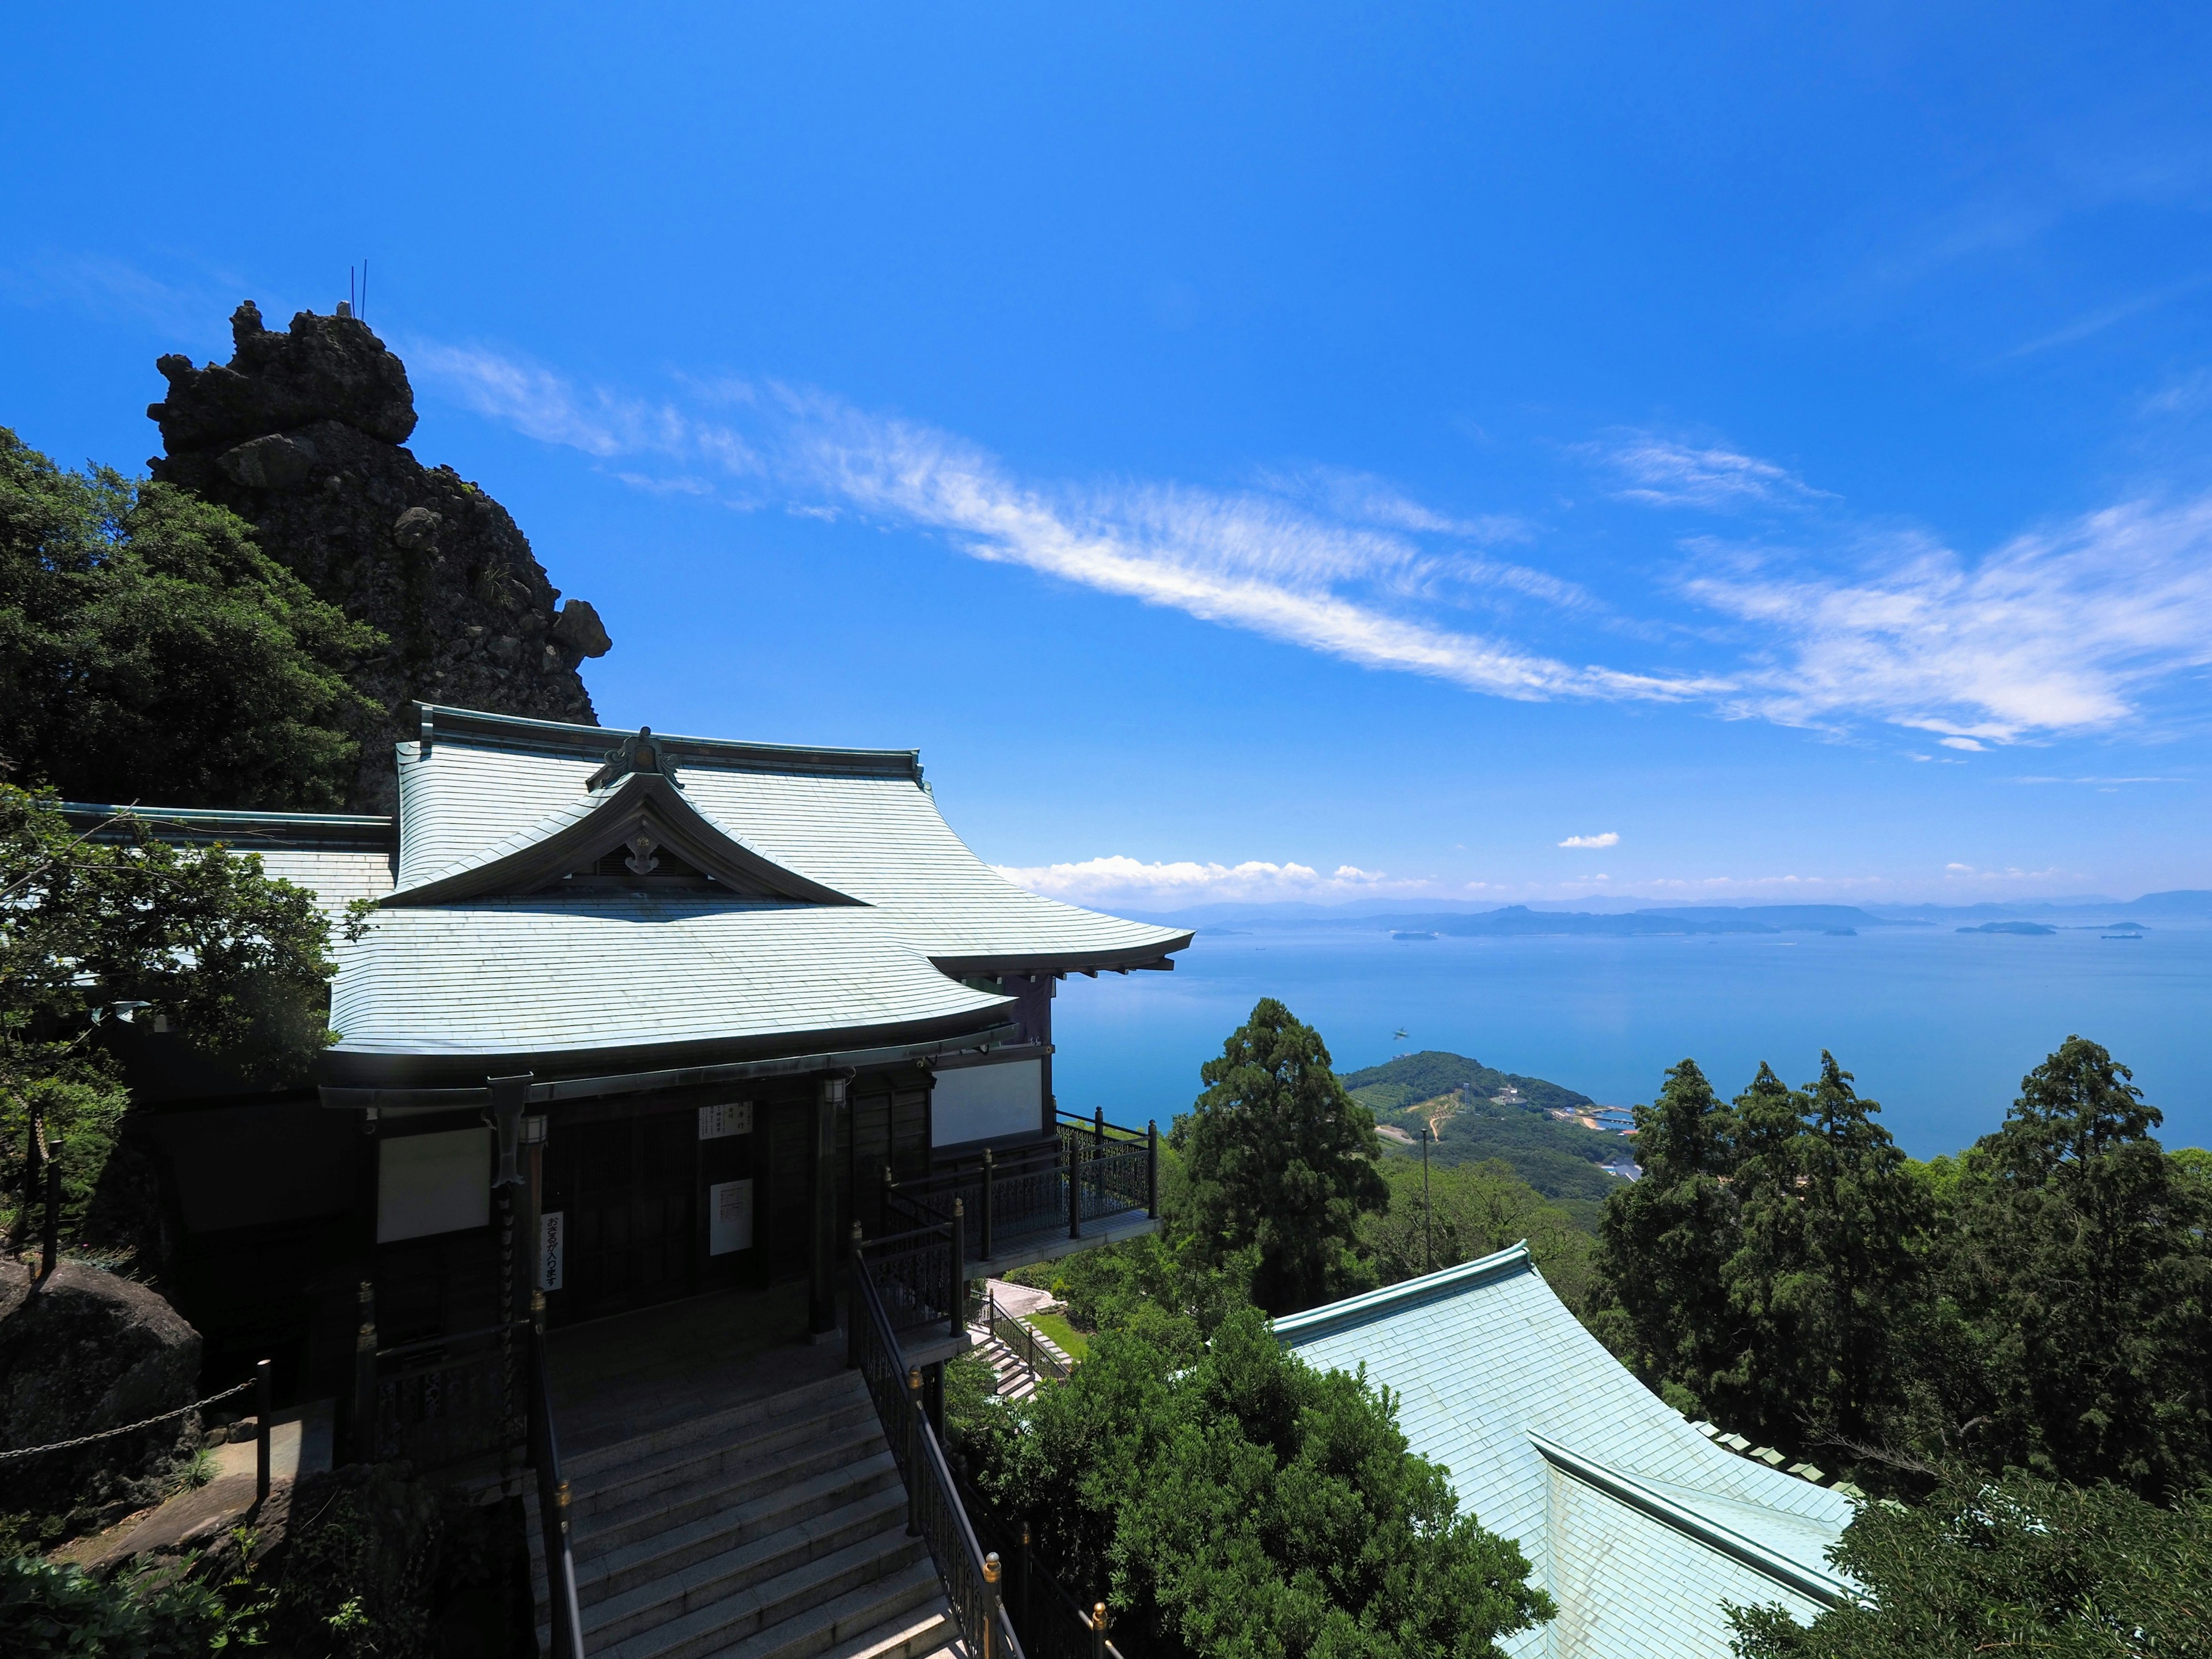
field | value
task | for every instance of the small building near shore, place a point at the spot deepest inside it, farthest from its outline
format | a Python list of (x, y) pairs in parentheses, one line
[(1639, 1527)]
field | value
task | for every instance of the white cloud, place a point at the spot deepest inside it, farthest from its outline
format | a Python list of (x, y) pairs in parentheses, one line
[(2062, 630), (1610, 838), (1186, 881), (1666, 472)]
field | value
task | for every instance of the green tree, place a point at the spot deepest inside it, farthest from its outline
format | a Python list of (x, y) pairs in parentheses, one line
[(1471, 1211), (2077, 1260), (149, 650), (1829, 1222), (1659, 1295), (1229, 1502), (1278, 1159), (2020, 1566), (231, 963)]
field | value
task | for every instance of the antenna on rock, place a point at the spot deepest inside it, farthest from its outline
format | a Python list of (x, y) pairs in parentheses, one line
[(363, 313)]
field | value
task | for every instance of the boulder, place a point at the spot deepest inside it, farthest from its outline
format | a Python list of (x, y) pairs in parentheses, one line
[(299, 435), (81, 1351), (579, 628)]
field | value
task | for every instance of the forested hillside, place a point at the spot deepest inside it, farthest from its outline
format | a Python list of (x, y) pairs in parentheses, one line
[(1479, 1113)]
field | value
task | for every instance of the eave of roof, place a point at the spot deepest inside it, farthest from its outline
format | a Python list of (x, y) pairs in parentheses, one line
[(1395, 1298), (474, 726), (195, 825)]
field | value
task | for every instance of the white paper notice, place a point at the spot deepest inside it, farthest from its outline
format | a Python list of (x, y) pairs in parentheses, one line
[(730, 1212), (550, 1234), (733, 1118)]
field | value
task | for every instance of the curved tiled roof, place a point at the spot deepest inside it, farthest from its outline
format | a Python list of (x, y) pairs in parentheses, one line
[(1639, 1527), (885, 909)]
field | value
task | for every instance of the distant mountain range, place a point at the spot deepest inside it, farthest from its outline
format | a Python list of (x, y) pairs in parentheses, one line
[(2183, 906), (1484, 1113)]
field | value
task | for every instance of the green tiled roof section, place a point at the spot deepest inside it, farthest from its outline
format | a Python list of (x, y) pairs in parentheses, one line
[(1629, 1586), (879, 839), (1483, 1356), (621, 968)]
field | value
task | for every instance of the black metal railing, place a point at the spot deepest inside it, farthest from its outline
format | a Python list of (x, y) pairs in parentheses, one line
[(445, 1402), (552, 1497), (934, 1511), (1052, 1623), (1091, 1171), (1020, 1339), (918, 1276)]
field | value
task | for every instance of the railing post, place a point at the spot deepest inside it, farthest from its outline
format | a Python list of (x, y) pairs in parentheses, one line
[(990, 1603), (1098, 1133), (261, 1409), (957, 1319), (990, 1175), (1099, 1630), (912, 1470), (1067, 1146), (1152, 1169), (852, 1303), (50, 1235), (364, 1378), (1025, 1575)]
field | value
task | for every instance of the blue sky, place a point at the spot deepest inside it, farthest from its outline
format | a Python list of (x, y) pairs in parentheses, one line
[(1263, 452)]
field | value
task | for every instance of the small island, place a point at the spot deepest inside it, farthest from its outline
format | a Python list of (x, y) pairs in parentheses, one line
[(2009, 927)]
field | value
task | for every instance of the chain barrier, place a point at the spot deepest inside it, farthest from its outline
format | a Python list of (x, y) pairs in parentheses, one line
[(128, 1428)]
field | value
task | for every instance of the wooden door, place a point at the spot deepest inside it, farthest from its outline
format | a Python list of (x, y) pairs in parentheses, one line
[(627, 1189)]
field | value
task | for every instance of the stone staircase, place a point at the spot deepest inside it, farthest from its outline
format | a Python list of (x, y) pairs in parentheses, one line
[(1011, 1376), (774, 1530)]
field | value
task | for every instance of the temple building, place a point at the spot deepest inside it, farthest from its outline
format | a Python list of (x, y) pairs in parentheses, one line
[(711, 1005)]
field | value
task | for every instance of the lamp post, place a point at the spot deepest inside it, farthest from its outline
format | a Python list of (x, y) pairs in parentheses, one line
[(1428, 1240)]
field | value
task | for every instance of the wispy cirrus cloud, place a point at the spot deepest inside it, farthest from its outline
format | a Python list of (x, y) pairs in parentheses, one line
[(1661, 471), (2063, 629), (2072, 629), (1610, 838), (1341, 583)]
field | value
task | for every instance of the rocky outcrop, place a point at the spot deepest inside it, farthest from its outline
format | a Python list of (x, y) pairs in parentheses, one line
[(300, 434), (82, 1351)]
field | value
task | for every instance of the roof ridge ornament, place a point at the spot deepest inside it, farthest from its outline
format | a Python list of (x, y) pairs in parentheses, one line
[(641, 753)]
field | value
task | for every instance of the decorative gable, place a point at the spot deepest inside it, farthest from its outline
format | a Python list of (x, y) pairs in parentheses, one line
[(634, 827)]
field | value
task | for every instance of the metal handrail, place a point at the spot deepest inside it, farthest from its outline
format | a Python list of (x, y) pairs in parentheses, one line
[(1062, 1628), (933, 1507), (552, 1496), (1040, 1362)]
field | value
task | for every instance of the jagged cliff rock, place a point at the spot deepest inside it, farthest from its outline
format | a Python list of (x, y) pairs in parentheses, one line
[(300, 434)]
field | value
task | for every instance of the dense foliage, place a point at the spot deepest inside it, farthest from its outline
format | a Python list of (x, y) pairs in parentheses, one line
[(162, 1610), (150, 652), (2043, 1302), (1228, 1500), (1278, 1160), (1471, 1210), (2020, 1566), (233, 964)]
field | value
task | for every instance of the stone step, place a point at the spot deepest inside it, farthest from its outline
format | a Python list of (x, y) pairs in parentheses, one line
[(798, 1613), (924, 1634), (809, 1398), (694, 1491), (617, 1476), (610, 1572), (878, 1522)]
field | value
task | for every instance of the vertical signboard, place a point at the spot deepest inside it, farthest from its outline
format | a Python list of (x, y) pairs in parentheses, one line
[(732, 1118), (550, 1237)]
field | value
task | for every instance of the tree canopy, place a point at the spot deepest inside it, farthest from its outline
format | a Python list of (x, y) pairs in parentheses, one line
[(2043, 1301), (2020, 1566), (1278, 1158), (1229, 1501), (150, 652)]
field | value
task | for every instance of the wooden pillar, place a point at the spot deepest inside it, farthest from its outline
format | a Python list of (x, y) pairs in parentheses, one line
[(822, 1285)]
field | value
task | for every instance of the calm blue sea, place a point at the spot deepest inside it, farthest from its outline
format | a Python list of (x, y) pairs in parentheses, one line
[(1937, 1025)]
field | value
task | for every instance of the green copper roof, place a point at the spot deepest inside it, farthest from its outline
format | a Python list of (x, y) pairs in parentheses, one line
[(1639, 1527)]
